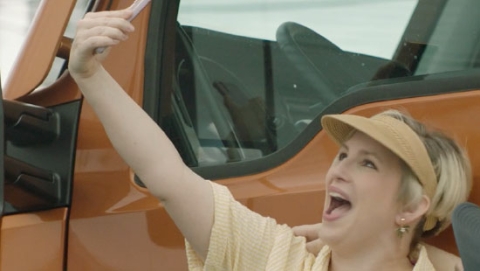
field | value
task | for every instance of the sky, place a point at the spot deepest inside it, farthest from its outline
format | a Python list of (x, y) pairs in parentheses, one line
[(372, 27)]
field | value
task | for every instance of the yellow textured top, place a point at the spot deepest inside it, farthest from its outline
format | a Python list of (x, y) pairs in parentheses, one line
[(244, 240)]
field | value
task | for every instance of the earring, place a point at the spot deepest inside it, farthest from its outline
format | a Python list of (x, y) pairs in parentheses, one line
[(403, 228)]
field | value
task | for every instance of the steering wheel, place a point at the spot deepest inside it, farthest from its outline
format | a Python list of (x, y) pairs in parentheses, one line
[(323, 65)]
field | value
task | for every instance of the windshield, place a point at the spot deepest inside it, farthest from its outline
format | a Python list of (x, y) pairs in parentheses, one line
[(15, 19)]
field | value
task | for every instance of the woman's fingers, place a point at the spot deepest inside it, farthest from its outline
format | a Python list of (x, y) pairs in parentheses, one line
[(97, 30), (100, 36), (310, 232), (114, 22), (123, 13), (110, 28), (315, 246)]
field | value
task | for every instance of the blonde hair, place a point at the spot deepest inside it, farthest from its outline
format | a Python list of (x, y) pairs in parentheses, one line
[(452, 170)]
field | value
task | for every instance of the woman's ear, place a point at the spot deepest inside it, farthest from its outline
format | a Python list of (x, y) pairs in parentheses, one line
[(413, 212)]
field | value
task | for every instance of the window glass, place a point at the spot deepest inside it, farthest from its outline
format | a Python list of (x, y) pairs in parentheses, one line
[(252, 75), (370, 27), (15, 19)]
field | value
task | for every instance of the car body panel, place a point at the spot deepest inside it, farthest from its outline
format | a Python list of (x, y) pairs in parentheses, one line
[(34, 241)]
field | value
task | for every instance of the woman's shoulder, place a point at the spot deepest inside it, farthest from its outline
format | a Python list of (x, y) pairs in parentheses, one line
[(443, 260)]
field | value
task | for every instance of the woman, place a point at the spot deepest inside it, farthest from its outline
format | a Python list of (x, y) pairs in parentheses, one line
[(375, 212)]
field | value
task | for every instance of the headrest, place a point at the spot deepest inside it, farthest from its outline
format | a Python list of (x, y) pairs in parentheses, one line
[(466, 228)]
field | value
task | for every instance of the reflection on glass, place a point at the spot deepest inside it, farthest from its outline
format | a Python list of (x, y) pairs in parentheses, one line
[(15, 19)]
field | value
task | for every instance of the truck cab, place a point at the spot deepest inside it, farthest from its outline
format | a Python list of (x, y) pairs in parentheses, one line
[(239, 87)]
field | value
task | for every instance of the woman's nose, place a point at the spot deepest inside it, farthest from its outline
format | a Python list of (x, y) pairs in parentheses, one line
[(341, 170)]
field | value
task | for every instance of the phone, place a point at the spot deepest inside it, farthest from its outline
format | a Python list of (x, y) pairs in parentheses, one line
[(136, 7)]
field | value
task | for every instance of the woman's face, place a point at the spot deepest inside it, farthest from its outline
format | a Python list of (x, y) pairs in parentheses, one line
[(362, 190)]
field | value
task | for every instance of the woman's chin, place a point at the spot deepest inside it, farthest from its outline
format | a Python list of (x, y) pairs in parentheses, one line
[(330, 234)]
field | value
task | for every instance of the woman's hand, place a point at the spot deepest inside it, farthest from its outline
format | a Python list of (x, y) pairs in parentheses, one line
[(99, 29), (310, 232), (443, 260)]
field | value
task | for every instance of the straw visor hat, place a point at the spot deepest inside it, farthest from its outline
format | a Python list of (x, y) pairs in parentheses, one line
[(395, 135)]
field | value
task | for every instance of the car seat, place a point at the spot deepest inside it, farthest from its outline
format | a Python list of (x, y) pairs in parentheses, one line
[(466, 229)]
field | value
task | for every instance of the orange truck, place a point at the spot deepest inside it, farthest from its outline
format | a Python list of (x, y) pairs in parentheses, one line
[(239, 87)]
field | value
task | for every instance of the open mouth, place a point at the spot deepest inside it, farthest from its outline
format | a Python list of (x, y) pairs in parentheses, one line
[(338, 204)]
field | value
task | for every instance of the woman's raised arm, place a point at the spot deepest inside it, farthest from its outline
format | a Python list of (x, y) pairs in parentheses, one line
[(142, 144)]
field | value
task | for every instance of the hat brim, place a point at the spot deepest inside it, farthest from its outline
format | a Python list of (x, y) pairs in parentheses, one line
[(341, 127)]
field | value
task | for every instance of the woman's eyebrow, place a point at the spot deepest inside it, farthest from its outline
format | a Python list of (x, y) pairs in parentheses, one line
[(363, 152), (370, 153), (343, 145)]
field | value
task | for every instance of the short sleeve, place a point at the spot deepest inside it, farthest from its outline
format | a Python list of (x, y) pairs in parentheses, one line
[(244, 240), (423, 263)]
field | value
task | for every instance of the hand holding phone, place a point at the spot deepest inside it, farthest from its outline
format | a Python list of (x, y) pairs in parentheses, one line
[(136, 7)]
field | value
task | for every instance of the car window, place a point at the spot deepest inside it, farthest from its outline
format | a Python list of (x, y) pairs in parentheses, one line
[(252, 75), (16, 17), (369, 27)]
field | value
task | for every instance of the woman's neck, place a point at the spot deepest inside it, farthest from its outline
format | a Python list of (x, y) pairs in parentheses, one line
[(349, 264), (376, 256)]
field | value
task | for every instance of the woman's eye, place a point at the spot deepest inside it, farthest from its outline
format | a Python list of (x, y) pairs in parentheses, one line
[(369, 164), (342, 156)]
